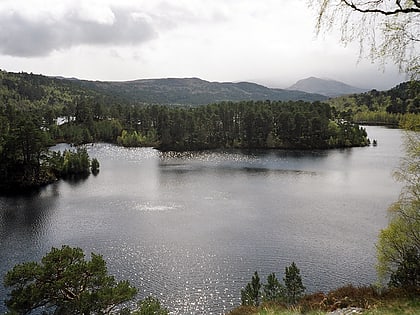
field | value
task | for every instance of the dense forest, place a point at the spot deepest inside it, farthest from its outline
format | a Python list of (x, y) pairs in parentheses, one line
[(28, 106), (61, 110), (37, 112), (397, 106)]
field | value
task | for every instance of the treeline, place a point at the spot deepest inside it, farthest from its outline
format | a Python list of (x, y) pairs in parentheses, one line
[(85, 116), (25, 158), (243, 125), (274, 291), (26, 132), (37, 112), (383, 107)]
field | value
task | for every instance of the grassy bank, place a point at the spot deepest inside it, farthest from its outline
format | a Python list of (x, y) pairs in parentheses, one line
[(372, 302)]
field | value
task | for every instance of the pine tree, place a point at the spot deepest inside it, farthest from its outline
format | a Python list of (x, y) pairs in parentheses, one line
[(65, 283), (293, 283), (273, 289), (251, 294), (150, 306)]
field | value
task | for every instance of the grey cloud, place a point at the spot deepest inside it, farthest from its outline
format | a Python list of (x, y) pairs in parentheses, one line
[(24, 37), (172, 15)]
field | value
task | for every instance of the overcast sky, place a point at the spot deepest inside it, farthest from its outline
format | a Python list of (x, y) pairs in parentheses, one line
[(271, 42)]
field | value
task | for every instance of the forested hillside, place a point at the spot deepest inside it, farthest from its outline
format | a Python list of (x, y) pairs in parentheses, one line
[(399, 105), (36, 112), (45, 93), (29, 107), (194, 91)]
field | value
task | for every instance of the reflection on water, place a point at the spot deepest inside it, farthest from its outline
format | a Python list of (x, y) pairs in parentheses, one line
[(191, 228)]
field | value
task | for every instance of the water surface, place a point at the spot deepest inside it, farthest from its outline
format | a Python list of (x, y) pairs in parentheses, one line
[(192, 228)]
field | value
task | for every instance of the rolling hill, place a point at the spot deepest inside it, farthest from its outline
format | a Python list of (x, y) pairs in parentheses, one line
[(330, 88), (194, 91)]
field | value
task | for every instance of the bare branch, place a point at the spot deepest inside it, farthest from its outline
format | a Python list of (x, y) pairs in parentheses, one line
[(400, 9)]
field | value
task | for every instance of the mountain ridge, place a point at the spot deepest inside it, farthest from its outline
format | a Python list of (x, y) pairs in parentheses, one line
[(327, 87), (195, 91)]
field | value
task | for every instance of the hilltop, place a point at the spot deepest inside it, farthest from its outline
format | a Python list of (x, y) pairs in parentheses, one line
[(327, 87), (167, 91), (195, 91)]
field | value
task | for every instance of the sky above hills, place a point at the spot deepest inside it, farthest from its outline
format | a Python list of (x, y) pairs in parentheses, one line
[(271, 42)]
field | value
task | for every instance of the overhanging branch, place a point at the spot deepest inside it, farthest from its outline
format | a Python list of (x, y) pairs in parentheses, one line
[(398, 10)]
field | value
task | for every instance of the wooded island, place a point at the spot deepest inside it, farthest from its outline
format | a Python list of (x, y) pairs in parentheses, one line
[(37, 112)]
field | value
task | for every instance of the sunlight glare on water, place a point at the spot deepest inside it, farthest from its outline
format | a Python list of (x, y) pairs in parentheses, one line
[(191, 228)]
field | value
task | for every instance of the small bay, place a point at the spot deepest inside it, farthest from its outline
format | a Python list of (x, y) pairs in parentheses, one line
[(192, 227)]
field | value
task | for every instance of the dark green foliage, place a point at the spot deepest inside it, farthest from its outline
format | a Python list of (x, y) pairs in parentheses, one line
[(150, 306), (380, 107), (293, 283), (65, 283), (25, 160), (407, 274), (23, 148), (94, 166), (28, 126), (193, 91), (273, 290), (69, 163), (76, 163), (25, 136), (91, 117), (251, 294), (249, 125), (72, 163)]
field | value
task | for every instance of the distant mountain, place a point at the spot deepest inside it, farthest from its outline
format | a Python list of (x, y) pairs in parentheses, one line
[(330, 88), (170, 91), (194, 91)]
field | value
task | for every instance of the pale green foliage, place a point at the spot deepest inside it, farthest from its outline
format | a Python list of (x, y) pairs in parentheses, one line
[(410, 122), (399, 243), (137, 139), (385, 29), (130, 139)]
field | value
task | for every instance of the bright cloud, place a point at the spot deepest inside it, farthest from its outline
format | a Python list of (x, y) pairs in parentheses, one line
[(271, 42)]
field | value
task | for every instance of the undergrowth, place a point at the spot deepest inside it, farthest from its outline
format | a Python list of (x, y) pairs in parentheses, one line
[(370, 299)]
